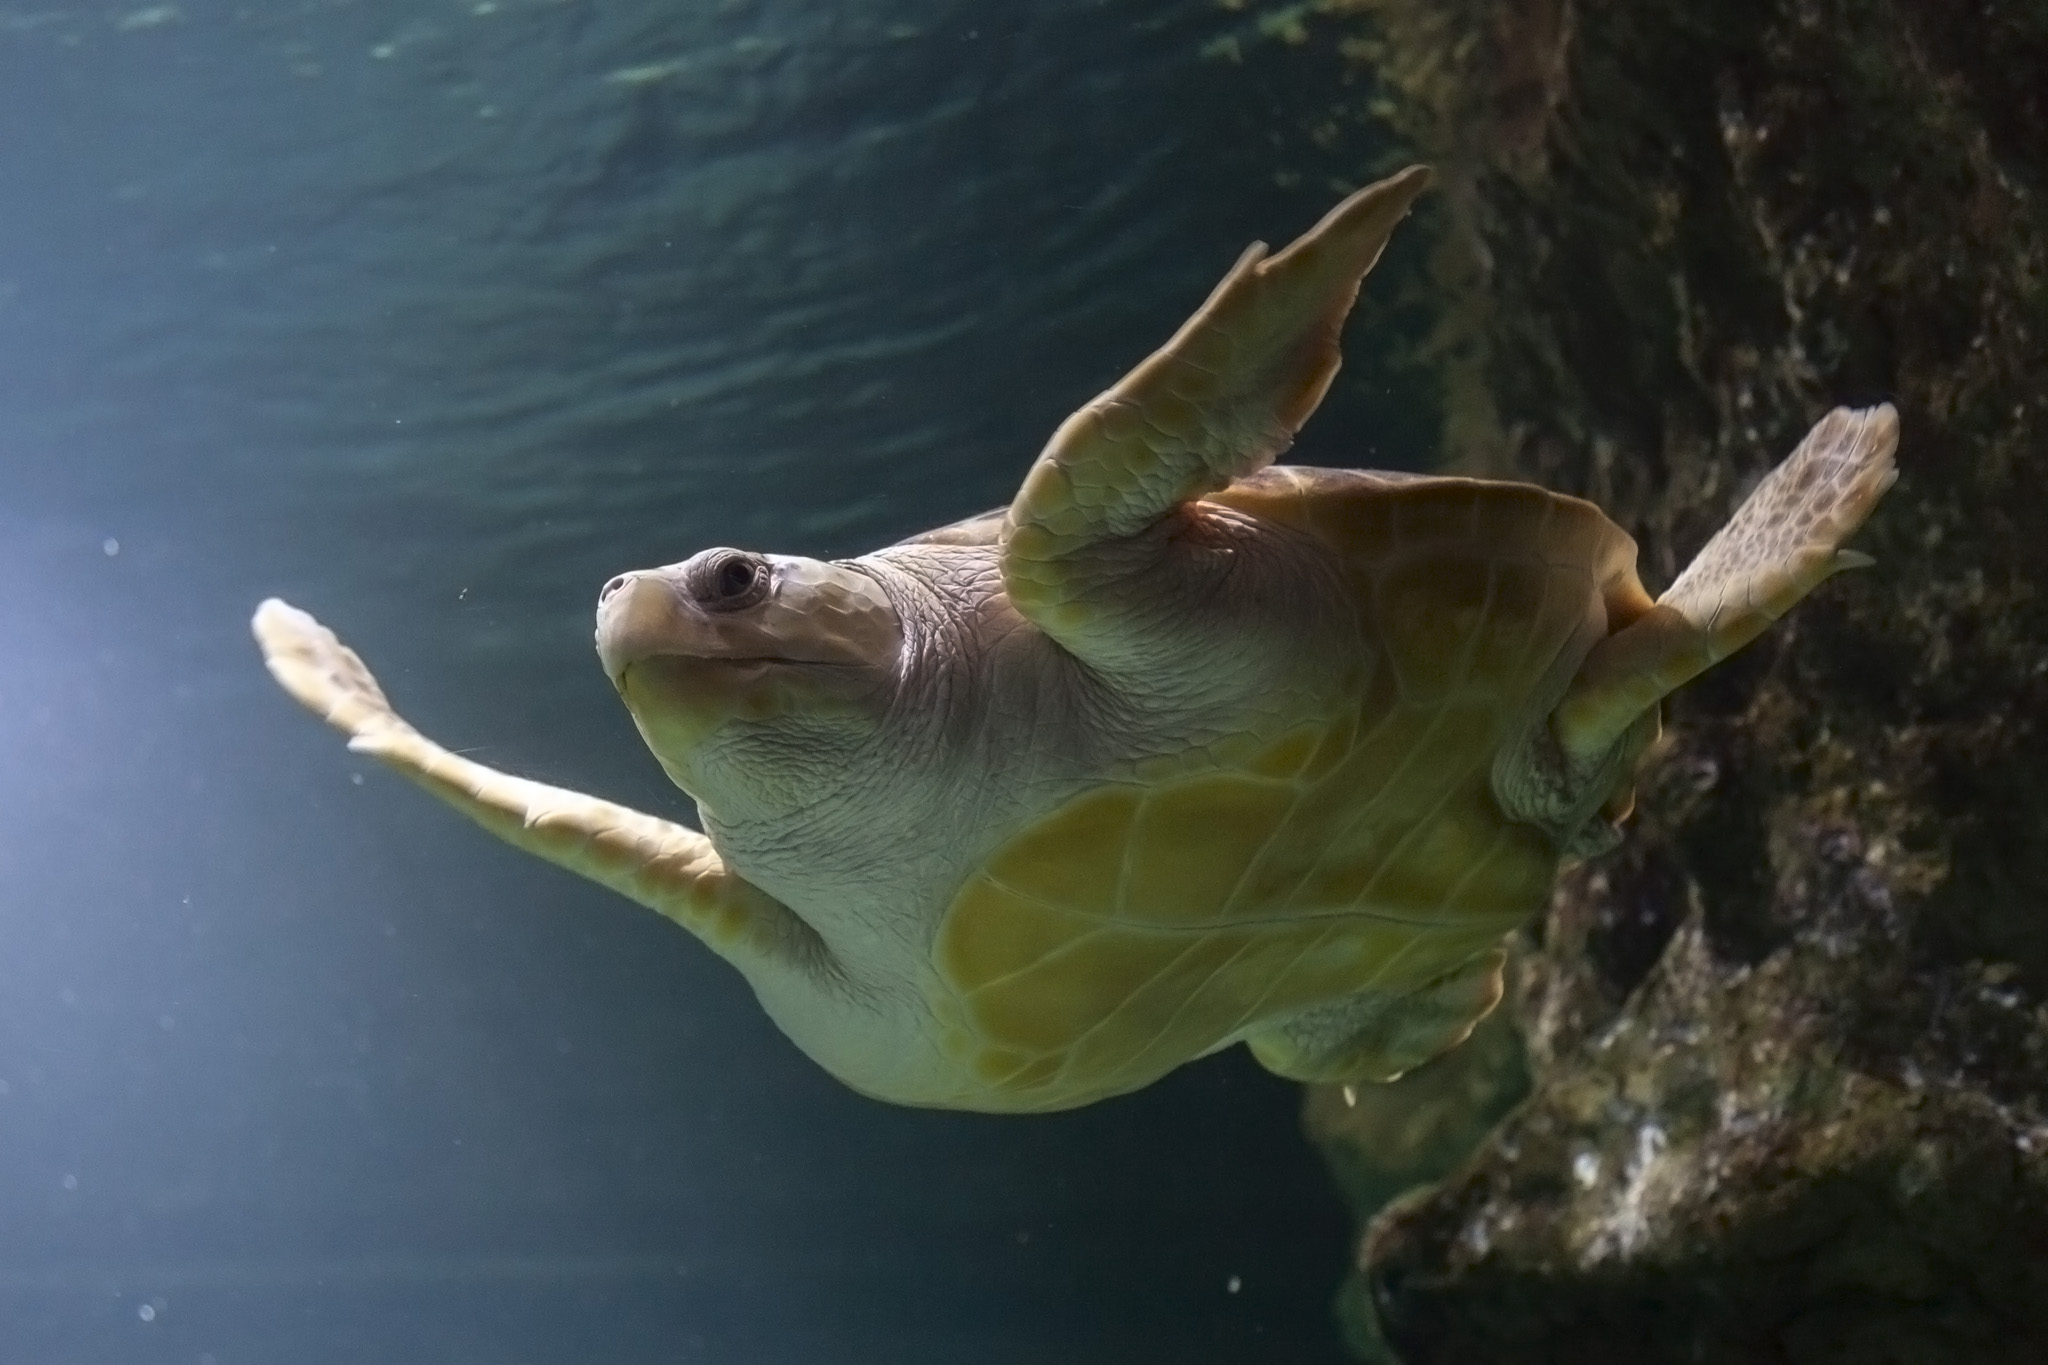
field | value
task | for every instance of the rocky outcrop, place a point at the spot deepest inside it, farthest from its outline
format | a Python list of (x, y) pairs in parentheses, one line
[(1788, 1047)]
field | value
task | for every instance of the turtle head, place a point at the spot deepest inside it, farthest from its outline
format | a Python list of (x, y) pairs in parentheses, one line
[(745, 672)]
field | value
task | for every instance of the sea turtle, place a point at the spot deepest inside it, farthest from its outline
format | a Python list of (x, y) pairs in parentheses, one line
[(1180, 749)]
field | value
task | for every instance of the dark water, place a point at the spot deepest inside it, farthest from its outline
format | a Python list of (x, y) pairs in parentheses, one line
[(430, 317)]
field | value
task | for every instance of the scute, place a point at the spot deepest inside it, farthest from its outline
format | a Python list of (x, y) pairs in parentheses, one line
[(1074, 858), (1431, 612), (1191, 842)]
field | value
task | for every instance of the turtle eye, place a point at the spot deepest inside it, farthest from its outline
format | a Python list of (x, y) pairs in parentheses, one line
[(727, 580)]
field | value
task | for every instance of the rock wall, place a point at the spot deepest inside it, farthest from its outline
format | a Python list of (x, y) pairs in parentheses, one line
[(1788, 1047)]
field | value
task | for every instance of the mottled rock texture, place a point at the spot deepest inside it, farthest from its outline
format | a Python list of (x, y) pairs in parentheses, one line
[(1788, 1046)]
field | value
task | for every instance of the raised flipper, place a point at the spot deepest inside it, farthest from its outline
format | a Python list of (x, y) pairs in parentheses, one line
[(1782, 543), (667, 867), (1223, 398), (1378, 1037)]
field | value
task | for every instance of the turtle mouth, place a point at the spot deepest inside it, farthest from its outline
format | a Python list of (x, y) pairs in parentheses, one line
[(678, 701), (667, 679), (733, 668)]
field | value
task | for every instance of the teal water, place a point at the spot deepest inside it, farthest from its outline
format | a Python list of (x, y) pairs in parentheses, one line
[(431, 318)]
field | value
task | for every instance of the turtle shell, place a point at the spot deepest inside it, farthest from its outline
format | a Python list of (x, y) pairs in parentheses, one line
[(1160, 915)]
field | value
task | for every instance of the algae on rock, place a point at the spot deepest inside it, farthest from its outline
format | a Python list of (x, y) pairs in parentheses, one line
[(1788, 1046)]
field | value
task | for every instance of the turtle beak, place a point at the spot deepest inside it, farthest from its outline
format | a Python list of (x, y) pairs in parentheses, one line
[(640, 615)]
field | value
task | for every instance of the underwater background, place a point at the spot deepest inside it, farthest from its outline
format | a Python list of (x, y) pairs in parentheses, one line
[(431, 317)]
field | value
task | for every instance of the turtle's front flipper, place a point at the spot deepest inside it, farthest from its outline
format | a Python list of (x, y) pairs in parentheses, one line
[(1782, 543), (667, 867), (1220, 400)]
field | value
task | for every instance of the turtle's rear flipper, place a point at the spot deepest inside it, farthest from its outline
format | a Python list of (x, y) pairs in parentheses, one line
[(1782, 543), (1377, 1036)]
